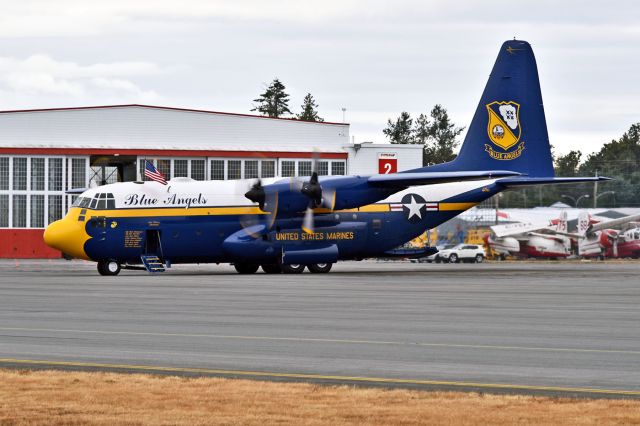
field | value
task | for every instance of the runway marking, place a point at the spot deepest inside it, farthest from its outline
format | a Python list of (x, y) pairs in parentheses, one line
[(320, 340), (359, 379)]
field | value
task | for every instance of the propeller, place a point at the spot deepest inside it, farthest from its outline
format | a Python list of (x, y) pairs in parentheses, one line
[(256, 194), (318, 197)]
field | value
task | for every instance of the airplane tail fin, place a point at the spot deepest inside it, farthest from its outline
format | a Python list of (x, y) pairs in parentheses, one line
[(508, 130), (562, 222), (584, 223)]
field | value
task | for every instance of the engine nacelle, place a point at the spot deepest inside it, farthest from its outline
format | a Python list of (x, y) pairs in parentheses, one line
[(328, 254)]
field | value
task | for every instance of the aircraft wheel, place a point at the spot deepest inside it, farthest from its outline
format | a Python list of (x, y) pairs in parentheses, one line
[(438, 260), (320, 268), (108, 267), (246, 268), (292, 269), (479, 258), (453, 258), (271, 268)]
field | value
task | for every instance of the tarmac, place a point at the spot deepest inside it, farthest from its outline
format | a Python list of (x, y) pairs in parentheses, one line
[(558, 328)]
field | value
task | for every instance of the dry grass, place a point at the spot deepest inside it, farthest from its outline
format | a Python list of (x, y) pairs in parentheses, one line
[(60, 398)]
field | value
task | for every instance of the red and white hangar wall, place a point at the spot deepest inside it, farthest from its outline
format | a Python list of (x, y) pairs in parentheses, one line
[(45, 153)]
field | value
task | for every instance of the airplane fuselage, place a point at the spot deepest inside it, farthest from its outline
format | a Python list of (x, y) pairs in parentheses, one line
[(211, 221)]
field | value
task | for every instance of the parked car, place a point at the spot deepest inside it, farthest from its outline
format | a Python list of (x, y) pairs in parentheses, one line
[(434, 257), (461, 253)]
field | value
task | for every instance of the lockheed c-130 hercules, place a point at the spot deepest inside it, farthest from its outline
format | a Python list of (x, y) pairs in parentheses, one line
[(285, 225)]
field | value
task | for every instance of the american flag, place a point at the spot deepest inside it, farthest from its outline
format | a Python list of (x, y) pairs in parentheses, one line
[(152, 173)]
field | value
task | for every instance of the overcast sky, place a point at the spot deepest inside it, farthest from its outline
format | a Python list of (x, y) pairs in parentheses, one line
[(375, 58)]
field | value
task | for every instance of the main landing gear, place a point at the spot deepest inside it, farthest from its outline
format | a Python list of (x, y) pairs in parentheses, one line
[(274, 268), (108, 267)]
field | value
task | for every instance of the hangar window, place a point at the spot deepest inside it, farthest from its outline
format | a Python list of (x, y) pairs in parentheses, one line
[(4, 210), (37, 211), (32, 188), (268, 168), (288, 168), (55, 207), (20, 174), (4, 173), (180, 168), (234, 169), (19, 211), (251, 169), (304, 168), (55, 174), (323, 168), (217, 169), (78, 173), (198, 170), (338, 168), (164, 167), (37, 174)]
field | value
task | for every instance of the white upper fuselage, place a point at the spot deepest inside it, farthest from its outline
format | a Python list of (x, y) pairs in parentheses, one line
[(187, 193)]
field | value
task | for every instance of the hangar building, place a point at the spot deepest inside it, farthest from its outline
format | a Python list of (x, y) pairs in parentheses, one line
[(45, 153)]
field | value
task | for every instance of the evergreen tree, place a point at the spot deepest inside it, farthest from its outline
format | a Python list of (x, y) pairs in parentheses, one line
[(309, 109), (274, 102), (567, 165), (401, 131), (441, 137), (421, 130)]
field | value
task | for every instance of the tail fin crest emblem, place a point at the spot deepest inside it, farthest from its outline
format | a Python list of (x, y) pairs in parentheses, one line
[(503, 129)]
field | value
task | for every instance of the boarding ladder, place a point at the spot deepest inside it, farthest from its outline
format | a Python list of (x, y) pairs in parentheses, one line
[(152, 263)]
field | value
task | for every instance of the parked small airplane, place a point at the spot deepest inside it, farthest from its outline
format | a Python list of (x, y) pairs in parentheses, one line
[(285, 225), (532, 239), (599, 239)]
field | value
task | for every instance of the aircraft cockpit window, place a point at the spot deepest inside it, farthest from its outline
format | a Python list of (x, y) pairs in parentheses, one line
[(82, 202), (103, 201)]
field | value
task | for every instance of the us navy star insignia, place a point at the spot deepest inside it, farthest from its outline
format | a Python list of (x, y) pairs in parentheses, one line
[(414, 208)]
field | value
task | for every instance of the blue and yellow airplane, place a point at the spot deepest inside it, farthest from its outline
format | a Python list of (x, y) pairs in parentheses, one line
[(287, 225)]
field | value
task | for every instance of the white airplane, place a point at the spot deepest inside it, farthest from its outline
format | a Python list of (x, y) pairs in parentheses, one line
[(600, 239), (548, 239)]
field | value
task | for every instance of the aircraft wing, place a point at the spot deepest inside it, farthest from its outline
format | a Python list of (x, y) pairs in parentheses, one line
[(557, 237), (399, 180), (613, 223), (514, 182), (510, 229)]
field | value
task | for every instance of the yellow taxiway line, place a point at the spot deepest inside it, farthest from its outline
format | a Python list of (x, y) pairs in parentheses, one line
[(327, 340), (302, 376)]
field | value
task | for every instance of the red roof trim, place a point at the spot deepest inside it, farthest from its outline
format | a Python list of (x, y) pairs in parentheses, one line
[(171, 153), (170, 109)]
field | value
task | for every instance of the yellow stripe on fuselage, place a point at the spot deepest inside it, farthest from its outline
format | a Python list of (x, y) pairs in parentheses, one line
[(455, 206), (245, 210)]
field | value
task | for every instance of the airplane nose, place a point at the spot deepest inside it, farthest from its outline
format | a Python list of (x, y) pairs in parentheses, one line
[(63, 236)]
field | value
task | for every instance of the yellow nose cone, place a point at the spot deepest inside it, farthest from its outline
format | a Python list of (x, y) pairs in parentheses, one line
[(66, 236)]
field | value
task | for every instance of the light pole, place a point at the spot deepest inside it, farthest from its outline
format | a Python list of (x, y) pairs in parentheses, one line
[(575, 202), (344, 115), (595, 202), (580, 198)]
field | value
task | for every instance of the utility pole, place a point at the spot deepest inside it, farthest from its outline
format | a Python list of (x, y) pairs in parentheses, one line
[(595, 192)]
